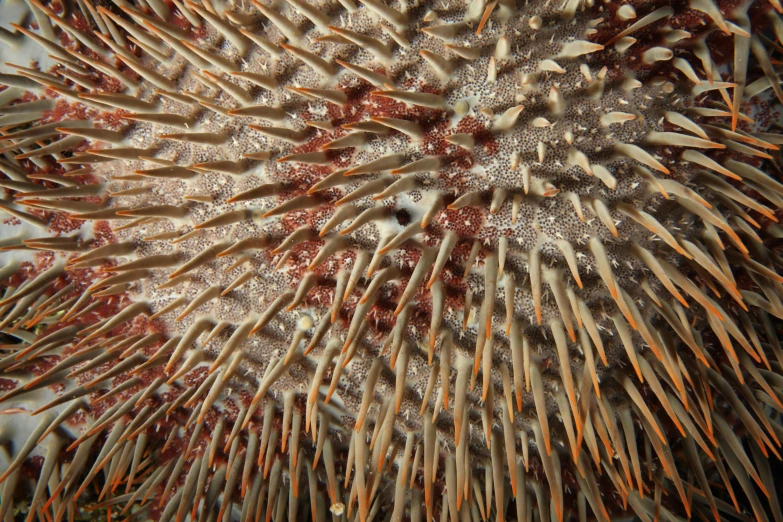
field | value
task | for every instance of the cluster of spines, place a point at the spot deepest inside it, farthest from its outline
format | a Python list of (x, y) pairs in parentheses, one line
[(708, 258)]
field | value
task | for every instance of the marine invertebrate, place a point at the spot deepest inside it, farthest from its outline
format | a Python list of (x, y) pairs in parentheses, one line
[(480, 260)]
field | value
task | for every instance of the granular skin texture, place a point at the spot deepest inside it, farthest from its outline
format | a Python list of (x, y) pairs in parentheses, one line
[(368, 260)]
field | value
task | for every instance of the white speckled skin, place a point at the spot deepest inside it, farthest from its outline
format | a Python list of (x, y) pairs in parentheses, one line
[(563, 186), (540, 221)]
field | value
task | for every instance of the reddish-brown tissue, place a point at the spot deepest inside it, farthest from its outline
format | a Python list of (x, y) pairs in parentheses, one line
[(391, 260)]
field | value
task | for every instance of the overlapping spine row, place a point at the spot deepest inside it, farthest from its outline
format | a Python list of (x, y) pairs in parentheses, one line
[(389, 261)]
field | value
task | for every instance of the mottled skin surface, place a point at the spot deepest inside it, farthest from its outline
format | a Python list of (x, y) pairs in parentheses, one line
[(539, 222), (539, 149)]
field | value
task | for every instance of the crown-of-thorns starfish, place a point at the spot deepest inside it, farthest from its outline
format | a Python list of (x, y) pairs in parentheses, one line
[(391, 260)]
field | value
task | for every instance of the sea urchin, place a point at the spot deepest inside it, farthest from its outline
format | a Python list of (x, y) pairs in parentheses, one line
[(391, 259)]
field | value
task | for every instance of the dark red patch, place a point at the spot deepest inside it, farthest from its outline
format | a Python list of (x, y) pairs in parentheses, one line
[(7, 384), (66, 110)]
